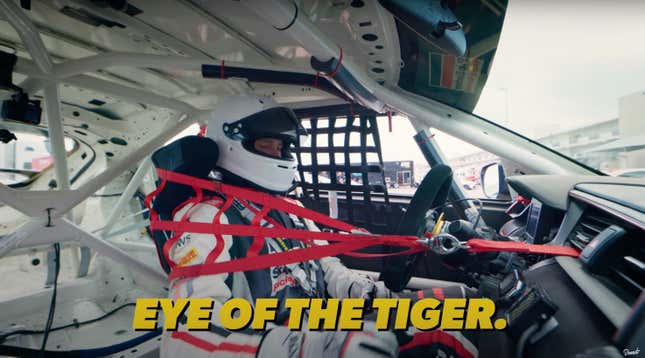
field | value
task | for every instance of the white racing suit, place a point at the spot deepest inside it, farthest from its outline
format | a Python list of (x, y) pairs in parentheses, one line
[(326, 277)]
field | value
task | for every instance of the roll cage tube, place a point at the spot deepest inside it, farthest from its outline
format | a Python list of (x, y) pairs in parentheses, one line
[(462, 124)]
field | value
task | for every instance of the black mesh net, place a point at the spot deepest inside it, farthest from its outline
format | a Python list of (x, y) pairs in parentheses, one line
[(343, 155)]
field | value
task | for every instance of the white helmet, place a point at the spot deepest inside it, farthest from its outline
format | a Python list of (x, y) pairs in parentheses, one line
[(237, 122)]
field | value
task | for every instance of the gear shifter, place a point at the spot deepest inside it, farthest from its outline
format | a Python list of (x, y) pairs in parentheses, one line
[(462, 229), (465, 230)]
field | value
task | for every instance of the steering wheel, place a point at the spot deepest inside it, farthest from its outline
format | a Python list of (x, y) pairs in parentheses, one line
[(432, 192)]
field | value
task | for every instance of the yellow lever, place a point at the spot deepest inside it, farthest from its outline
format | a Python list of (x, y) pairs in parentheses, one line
[(437, 227)]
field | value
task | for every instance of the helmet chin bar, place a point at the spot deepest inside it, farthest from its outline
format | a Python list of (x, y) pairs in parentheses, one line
[(265, 172), (227, 176)]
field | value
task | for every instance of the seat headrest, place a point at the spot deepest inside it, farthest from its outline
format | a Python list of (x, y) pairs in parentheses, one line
[(191, 155)]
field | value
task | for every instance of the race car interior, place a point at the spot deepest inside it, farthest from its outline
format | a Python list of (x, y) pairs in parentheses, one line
[(596, 217), (542, 297), (99, 94)]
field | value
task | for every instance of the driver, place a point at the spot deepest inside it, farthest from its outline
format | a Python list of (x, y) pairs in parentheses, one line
[(255, 136)]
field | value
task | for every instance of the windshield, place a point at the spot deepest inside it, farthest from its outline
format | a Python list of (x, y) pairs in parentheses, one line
[(569, 75)]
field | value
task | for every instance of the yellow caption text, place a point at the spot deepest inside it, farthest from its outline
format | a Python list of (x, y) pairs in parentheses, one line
[(330, 314)]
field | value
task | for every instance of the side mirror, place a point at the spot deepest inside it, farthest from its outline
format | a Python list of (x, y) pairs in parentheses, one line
[(493, 181)]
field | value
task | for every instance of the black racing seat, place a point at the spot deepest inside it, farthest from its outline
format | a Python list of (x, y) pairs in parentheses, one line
[(432, 192), (191, 155)]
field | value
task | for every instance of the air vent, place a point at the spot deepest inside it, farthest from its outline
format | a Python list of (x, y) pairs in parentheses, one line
[(629, 271), (623, 266), (590, 225)]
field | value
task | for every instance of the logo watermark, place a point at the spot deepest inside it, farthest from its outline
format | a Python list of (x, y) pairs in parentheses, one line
[(631, 352)]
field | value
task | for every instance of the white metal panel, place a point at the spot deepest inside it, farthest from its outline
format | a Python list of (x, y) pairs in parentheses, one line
[(189, 24), (346, 24)]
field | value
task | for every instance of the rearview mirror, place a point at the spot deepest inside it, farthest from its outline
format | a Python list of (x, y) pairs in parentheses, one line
[(493, 181)]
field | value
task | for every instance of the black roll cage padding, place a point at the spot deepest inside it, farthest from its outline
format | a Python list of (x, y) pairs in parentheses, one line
[(341, 76), (335, 110), (270, 76)]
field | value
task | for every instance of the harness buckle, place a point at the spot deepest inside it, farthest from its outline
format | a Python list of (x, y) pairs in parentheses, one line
[(444, 244)]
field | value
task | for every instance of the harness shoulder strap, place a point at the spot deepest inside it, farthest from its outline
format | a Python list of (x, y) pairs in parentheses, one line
[(346, 241)]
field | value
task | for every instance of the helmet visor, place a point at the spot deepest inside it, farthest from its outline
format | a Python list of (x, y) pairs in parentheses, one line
[(278, 123)]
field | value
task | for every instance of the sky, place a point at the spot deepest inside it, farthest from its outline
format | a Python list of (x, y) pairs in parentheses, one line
[(561, 64)]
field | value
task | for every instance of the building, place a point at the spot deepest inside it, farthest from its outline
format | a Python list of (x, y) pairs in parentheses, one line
[(468, 166), (396, 174), (399, 172), (578, 143), (609, 146)]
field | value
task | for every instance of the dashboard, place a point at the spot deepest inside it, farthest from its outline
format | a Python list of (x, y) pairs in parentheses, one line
[(600, 294)]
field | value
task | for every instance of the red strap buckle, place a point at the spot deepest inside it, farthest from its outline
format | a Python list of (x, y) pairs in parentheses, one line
[(522, 200)]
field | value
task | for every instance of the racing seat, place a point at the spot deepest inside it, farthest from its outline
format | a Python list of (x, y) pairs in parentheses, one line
[(432, 192), (191, 155)]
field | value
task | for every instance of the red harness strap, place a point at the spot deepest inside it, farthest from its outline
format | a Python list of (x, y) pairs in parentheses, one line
[(340, 243), (345, 243), (202, 130), (210, 347), (480, 245)]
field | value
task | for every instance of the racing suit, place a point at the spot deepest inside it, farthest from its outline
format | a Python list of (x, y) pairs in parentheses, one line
[(326, 277)]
